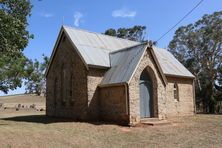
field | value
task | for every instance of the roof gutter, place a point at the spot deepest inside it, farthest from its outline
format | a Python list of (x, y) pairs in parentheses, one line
[(178, 76), (127, 101), (126, 48), (112, 84), (97, 66)]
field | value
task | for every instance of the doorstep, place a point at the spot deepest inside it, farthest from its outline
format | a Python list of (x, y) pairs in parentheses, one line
[(154, 122)]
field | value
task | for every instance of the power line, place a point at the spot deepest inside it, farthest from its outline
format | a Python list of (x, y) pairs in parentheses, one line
[(181, 19)]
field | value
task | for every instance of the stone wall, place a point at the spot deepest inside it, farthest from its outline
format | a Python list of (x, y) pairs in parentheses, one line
[(67, 84), (94, 78), (185, 105), (159, 93), (73, 92), (113, 104)]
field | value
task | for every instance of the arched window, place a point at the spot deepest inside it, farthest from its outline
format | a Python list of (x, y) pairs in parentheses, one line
[(62, 84), (176, 91), (70, 86), (55, 91), (71, 90)]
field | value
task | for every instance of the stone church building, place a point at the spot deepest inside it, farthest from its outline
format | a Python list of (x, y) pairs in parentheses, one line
[(92, 76)]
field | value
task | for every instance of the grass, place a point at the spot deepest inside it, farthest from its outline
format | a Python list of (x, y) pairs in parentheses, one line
[(34, 129), (23, 99), (31, 128)]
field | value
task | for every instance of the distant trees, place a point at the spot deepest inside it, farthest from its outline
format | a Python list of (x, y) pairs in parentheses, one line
[(14, 38), (35, 82), (136, 33), (199, 47)]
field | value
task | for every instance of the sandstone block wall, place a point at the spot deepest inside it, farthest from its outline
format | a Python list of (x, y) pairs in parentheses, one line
[(67, 84), (94, 78), (185, 105), (73, 92), (159, 94), (113, 104)]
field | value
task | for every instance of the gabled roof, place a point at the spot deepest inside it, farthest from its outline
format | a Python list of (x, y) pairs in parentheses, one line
[(100, 50), (123, 64), (170, 65), (95, 47)]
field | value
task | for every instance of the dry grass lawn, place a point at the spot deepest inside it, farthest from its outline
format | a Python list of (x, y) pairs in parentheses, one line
[(25, 100), (34, 129), (30, 128)]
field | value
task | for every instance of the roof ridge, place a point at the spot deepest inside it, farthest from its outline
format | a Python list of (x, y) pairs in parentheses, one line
[(126, 48), (97, 33)]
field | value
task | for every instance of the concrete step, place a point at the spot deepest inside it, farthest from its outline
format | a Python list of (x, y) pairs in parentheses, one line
[(154, 122), (149, 119)]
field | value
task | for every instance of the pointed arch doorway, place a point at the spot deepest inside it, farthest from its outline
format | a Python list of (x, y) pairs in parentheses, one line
[(146, 95)]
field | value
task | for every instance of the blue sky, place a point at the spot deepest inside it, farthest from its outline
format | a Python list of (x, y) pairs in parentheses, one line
[(99, 15)]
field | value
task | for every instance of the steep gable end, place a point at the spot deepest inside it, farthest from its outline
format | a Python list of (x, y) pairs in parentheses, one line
[(61, 36), (124, 64)]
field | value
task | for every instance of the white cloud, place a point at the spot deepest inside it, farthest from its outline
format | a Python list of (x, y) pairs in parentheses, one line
[(47, 15), (124, 12), (77, 18)]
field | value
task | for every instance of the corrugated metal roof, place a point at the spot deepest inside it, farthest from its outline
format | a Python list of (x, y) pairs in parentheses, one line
[(106, 51), (95, 47), (123, 64), (169, 64)]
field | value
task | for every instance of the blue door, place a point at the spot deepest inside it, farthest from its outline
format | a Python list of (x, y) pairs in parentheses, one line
[(145, 99)]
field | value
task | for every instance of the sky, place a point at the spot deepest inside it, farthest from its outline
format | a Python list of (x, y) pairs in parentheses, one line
[(98, 15)]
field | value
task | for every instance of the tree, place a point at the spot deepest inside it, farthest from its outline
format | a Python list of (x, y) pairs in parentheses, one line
[(199, 47), (136, 33), (14, 38), (35, 82)]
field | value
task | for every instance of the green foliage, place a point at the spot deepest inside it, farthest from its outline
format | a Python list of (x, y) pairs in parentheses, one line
[(14, 38), (136, 33), (199, 47), (11, 71), (13, 22), (35, 81)]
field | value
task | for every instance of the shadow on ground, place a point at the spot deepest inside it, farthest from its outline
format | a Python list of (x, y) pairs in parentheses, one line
[(35, 119), (43, 119)]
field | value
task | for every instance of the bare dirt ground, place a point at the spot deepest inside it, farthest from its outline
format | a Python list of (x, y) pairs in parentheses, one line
[(31, 128)]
